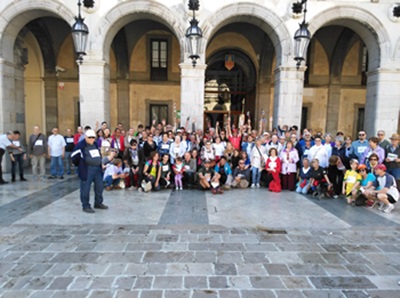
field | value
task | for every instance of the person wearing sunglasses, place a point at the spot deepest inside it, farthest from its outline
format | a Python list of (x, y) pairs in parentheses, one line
[(359, 146), (367, 181), (86, 156)]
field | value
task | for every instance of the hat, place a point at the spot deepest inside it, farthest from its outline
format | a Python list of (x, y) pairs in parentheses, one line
[(381, 167), (362, 167), (395, 136), (266, 133), (90, 133), (179, 130)]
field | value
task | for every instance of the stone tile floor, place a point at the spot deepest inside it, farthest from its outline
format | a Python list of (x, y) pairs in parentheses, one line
[(244, 243)]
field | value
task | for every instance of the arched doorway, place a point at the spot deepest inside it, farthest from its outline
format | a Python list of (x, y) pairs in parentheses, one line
[(230, 86)]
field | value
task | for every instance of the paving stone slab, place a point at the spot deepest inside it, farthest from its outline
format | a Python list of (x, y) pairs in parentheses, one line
[(296, 282), (168, 282), (266, 282), (257, 294), (341, 282)]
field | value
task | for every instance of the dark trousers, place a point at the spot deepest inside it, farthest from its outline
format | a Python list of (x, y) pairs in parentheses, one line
[(95, 175), (18, 160), (289, 181), (1, 159)]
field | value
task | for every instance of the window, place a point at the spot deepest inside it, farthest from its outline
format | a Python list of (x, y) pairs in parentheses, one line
[(360, 118), (304, 117), (159, 60), (158, 112)]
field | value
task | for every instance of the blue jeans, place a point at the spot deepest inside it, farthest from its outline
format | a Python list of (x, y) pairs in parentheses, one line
[(256, 175), (56, 166), (110, 181), (67, 159), (95, 174), (303, 190)]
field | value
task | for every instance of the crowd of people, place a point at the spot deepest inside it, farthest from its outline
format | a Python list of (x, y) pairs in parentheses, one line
[(365, 171)]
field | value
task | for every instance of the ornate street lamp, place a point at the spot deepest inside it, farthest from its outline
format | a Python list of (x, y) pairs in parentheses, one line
[(80, 32), (302, 36), (194, 33)]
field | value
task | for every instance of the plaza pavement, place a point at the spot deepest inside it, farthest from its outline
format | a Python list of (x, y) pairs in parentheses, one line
[(172, 244)]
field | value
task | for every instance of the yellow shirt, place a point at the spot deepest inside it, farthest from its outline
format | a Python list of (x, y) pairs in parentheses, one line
[(350, 178)]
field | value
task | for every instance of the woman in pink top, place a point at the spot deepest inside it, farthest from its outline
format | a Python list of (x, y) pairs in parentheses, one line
[(289, 157)]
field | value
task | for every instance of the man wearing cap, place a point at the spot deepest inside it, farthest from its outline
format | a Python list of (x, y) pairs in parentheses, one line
[(384, 190), (87, 157), (392, 157)]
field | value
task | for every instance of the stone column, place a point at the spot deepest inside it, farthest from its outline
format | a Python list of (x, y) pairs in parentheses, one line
[(263, 103), (94, 92), (288, 96), (192, 92), (51, 102), (332, 111), (123, 103), (382, 105), (12, 102)]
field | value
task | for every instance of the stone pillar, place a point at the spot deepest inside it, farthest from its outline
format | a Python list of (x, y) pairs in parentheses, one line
[(12, 102), (51, 102), (382, 105), (123, 103), (288, 96), (192, 92), (332, 111), (263, 103), (94, 92)]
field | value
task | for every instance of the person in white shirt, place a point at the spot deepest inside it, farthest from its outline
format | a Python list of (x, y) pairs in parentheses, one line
[(318, 151), (56, 150), (5, 142)]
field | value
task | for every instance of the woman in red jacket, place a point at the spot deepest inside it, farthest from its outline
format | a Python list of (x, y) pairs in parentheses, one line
[(273, 168)]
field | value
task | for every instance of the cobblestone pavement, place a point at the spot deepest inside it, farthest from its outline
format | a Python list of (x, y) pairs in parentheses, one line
[(191, 244)]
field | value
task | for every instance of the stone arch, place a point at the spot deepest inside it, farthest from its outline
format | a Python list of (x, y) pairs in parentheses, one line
[(361, 21), (261, 17), (126, 12), (19, 13)]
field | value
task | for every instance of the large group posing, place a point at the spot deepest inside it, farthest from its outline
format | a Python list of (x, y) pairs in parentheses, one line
[(365, 171)]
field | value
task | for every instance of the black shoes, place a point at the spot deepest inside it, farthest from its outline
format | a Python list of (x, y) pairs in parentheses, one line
[(23, 179), (61, 177), (3, 182), (52, 177), (101, 206), (88, 210)]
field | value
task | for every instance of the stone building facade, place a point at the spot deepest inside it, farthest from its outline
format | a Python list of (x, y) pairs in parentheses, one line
[(137, 66)]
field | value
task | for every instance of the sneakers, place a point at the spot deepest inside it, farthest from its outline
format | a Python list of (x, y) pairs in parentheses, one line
[(220, 191), (258, 185), (177, 188), (388, 208), (181, 188), (253, 185), (381, 206), (101, 206)]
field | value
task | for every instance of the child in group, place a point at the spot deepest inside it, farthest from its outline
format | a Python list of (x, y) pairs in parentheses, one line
[(351, 182), (178, 171)]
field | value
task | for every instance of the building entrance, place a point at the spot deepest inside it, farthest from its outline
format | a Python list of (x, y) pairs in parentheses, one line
[(229, 88)]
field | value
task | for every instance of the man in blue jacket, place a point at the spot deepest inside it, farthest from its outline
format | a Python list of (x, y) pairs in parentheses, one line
[(87, 157)]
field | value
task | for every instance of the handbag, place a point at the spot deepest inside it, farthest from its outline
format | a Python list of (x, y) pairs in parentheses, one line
[(262, 160)]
